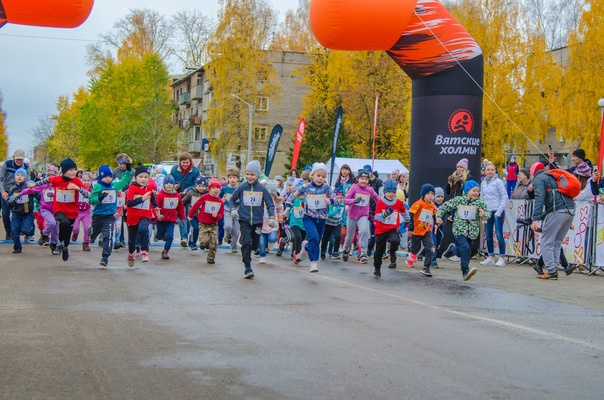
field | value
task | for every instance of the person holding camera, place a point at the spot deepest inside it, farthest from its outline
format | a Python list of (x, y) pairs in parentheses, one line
[(557, 211)]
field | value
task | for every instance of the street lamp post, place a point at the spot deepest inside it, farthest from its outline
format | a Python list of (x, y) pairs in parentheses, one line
[(249, 127)]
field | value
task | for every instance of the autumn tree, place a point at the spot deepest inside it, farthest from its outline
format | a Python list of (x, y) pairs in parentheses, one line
[(3, 135), (294, 33), (65, 139), (192, 34)]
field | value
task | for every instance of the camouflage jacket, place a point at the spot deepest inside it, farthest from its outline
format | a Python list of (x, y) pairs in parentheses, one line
[(469, 228)]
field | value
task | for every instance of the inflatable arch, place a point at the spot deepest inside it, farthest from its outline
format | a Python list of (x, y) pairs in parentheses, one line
[(444, 62), (48, 13)]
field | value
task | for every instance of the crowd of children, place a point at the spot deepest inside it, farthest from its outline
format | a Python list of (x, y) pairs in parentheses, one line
[(304, 213)]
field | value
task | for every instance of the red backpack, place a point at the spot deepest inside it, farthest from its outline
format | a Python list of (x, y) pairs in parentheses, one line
[(568, 184)]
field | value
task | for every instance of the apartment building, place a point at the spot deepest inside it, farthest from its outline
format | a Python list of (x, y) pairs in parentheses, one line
[(193, 94)]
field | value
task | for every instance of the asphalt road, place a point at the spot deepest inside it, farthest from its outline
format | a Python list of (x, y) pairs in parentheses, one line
[(182, 329)]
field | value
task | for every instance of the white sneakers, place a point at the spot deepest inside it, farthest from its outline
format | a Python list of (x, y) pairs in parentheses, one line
[(500, 262), (491, 261), (313, 267), (262, 260)]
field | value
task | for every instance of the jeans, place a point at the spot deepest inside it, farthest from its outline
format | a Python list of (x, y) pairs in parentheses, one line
[(463, 249), (194, 233), (183, 227), (314, 228), (265, 239), (165, 231), (498, 222), (509, 187), (250, 236), (21, 224), (6, 216), (231, 228), (138, 234)]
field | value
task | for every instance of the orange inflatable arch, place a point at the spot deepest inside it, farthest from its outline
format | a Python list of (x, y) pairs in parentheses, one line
[(47, 13)]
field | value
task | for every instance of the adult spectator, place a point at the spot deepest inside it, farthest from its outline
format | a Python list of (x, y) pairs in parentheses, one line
[(345, 177), (7, 181), (402, 187), (521, 191), (122, 159), (494, 195), (184, 174), (583, 172), (294, 173), (511, 176), (578, 157), (554, 211), (458, 178)]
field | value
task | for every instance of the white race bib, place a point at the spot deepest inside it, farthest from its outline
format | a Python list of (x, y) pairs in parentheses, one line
[(120, 202), (144, 205), (252, 199), (110, 198), (364, 200), (298, 212), (65, 196), (49, 195), (392, 219), (315, 201), (426, 216), (194, 200), (84, 200), (211, 207), (22, 199), (466, 212), (170, 203), (227, 197)]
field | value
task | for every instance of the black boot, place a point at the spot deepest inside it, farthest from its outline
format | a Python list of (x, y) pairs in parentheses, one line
[(377, 272)]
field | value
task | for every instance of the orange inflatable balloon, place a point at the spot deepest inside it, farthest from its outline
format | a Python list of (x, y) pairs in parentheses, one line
[(360, 24), (48, 13)]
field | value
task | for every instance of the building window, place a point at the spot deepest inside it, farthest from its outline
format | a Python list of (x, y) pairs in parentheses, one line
[(260, 133), (261, 103), (197, 134)]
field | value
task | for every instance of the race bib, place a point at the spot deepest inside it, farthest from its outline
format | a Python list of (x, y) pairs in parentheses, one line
[(22, 199), (84, 200), (49, 195), (65, 196), (364, 200), (194, 200), (315, 202), (144, 205), (426, 216), (392, 219), (227, 197), (170, 203), (211, 207), (120, 201), (110, 198), (298, 212), (466, 212), (252, 199)]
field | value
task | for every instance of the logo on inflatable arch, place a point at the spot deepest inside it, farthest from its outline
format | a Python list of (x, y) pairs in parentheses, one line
[(461, 121)]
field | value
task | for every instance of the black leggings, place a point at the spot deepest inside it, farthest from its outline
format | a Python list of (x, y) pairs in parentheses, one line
[(65, 228), (298, 236), (337, 238)]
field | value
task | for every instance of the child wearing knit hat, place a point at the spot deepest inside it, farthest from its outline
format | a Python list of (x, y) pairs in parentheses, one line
[(22, 210), (84, 215), (231, 225), (469, 212), (201, 188), (171, 210), (211, 210), (420, 228)]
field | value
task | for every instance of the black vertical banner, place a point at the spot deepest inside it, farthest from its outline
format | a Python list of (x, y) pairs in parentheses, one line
[(273, 144), (334, 145)]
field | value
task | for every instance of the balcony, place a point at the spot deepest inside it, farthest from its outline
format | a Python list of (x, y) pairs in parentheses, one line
[(197, 92), (184, 98)]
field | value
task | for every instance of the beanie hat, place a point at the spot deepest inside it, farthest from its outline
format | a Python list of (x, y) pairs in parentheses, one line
[(535, 168), (214, 182), (169, 179), (104, 171), (233, 172), (21, 171), (51, 169), (305, 175), (291, 179), (201, 180), (363, 173), (426, 188), (580, 153), (367, 167), (140, 169), (307, 168), (526, 172), (254, 167), (469, 185), (317, 166), (390, 186), (396, 172), (463, 163), (67, 164), (583, 170), (279, 178), (438, 191)]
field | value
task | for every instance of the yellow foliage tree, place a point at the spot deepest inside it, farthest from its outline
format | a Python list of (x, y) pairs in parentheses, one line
[(295, 33), (3, 135)]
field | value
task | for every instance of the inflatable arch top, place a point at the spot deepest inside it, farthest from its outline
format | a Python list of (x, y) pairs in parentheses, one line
[(47, 13)]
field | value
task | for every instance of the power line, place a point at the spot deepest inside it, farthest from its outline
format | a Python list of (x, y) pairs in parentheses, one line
[(49, 37)]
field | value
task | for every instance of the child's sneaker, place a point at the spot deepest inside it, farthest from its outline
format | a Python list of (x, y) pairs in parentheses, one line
[(193, 247), (412, 257), (165, 255), (104, 262), (489, 261), (74, 237), (426, 272), (279, 252), (130, 259), (410, 263), (65, 253), (345, 255), (377, 272), (43, 240), (322, 256), (335, 256), (472, 272), (313, 267), (54, 249), (144, 256), (248, 274), (183, 242), (304, 251), (392, 265), (363, 258), (297, 258), (262, 260), (210, 261)]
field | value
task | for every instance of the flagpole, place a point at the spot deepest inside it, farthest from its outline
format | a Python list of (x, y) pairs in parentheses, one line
[(601, 154), (375, 114)]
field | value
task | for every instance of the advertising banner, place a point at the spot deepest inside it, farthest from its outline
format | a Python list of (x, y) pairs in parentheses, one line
[(273, 144), (298, 142)]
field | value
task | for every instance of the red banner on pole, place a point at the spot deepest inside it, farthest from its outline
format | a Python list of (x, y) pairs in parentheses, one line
[(298, 143)]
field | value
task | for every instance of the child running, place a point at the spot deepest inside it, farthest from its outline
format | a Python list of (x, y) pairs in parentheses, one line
[(83, 215), (422, 214), (469, 213), (171, 210), (209, 210), (201, 188), (333, 226), (231, 225), (22, 207)]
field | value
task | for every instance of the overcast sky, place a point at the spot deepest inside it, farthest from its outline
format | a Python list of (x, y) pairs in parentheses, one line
[(35, 69)]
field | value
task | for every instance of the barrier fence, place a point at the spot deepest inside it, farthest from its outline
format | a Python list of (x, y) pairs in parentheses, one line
[(583, 244)]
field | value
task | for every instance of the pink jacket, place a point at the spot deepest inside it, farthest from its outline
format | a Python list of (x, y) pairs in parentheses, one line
[(356, 211)]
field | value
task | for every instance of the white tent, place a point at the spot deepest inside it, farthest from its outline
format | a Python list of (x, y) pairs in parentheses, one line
[(383, 167)]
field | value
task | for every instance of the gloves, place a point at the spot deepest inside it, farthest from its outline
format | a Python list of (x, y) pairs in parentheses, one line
[(103, 195), (358, 200), (387, 212), (234, 214), (128, 166), (272, 223)]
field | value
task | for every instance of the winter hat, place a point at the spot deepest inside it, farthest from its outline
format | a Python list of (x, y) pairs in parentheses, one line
[(291, 179), (307, 168), (390, 186), (140, 169), (469, 185), (526, 172), (104, 171), (254, 167), (169, 179), (426, 188), (462, 163), (68, 164), (317, 166), (395, 172), (21, 171), (583, 170), (279, 178), (363, 173), (438, 191), (52, 169), (214, 182), (579, 153), (19, 154), (201, 180), (305, 175), (367, 167), (535, 168)]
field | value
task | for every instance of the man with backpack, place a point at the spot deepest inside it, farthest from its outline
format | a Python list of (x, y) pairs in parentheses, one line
[(555, 207)]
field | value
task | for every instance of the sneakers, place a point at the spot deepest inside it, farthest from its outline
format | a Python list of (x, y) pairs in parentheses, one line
[(233, 251), (489, 261), (74, 237), (248, 274), (322, 256), (409, 262), (363, 258), (335, 256), (183, 242), (313, 267), (549, 275), (144, 256), (570, 269), (210, 261), (279, 252), (392, 265), (454, 258), (117, 246), (304, 251), (64, 253), (193, 247), (130, 259), (449, 251), (165, 255), (262, 260), (426, 272), (345, 255), (85, 247), (104, 262), (43, 241), (468, 275), (538, 269), (377, 272), (296, 258), (54, 249), (500, 262), (412, 257)]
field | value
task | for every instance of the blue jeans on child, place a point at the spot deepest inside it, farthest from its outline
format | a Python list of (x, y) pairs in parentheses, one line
[(21, 224), (463, 249), (314, 228), (165, 231), (265, 239), (194, 233), (498, 222)]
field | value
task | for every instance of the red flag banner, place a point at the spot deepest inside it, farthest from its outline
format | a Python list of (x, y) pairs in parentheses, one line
[(298, 143)]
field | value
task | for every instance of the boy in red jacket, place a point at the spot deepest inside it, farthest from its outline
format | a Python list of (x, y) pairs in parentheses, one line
[(139, 200), (211, 210), (387, 220), (171, 211)]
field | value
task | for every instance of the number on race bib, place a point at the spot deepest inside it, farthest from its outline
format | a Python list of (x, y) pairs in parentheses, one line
[(298, 212), (144, 205), (120, 202), (392, 219), (364, 199), (315, 202), (110, 198), (252, 199), (467, 212), (22, 199), (426, 216), (211, 207), (65, 196), (170, 203)]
